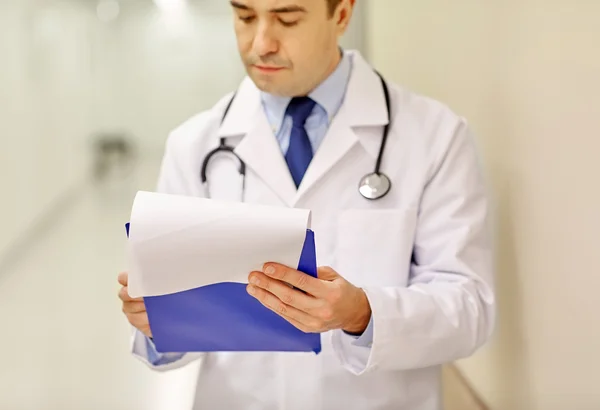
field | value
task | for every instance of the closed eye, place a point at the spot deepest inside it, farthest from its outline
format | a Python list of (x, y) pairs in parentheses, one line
[(246, 19), (288, 23)]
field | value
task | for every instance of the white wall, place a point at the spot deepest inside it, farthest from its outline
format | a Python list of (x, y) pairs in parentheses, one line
[(44, 84), (356, 33), (527, 75)]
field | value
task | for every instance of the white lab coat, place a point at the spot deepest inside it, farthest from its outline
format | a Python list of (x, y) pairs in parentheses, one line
[(422, 254)]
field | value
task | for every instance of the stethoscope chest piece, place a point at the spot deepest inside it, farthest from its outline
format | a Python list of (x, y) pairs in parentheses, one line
[(374, 185)]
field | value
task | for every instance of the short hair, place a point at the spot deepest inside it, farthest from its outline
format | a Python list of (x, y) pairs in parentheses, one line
[(332, 5)]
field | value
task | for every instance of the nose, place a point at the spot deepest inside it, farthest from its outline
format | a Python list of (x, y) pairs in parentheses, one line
[(265, 42)]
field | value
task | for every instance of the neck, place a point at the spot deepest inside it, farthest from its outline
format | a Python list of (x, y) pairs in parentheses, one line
[(334, 62)]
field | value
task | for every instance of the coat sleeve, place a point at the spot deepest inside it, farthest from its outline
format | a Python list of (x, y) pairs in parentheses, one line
[(144, 350), (447, 311), (171, 178)]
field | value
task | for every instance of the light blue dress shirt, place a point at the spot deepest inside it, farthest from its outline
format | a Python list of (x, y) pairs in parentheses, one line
[(329, 96)]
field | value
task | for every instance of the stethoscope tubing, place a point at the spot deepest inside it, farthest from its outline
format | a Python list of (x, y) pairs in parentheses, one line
[(223, 147)]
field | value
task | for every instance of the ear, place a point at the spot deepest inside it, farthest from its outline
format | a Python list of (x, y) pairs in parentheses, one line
[(343, 15)]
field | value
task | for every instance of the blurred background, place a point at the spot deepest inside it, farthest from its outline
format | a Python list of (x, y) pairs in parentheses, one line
[(89, 90)]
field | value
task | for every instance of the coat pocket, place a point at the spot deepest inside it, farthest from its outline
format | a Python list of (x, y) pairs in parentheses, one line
[(374, 247)]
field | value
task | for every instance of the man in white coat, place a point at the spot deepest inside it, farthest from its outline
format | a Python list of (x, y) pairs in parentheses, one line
[(408, 285)]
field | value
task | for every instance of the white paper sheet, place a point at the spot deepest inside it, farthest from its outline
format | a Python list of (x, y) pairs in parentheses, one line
[(177, 243)]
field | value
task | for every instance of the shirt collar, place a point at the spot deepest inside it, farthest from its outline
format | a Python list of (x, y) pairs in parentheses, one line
[(329, 94)]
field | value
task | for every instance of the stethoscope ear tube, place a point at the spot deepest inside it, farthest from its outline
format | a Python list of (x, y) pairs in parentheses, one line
[(223, 147), (386, 128), (376, 185)]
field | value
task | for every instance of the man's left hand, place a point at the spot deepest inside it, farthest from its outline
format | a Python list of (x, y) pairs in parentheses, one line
[(327, 303)]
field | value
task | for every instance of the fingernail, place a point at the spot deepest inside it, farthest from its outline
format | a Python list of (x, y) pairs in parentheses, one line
[(250, 289), (254, 280), (269, 270)]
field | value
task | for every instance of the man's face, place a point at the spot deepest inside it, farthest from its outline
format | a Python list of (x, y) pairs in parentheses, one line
[(287, 46)]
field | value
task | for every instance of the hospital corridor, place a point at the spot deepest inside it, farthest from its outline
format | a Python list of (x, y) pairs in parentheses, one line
[(90, 91)]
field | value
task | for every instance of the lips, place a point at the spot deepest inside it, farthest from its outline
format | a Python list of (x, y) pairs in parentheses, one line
[(266, 69)]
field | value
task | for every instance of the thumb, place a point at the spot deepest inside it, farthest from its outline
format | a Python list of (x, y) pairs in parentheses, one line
[(327, 273)]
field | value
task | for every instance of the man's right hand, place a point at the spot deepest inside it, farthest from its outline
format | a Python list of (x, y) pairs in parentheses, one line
[(134, 309)]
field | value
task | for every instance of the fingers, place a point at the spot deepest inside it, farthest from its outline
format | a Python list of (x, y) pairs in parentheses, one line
[(302, 320), (124, 296), (134, 307), (123, 276), (301, 326), (285, 293), (327, 273), (140, 322), (300, 280)]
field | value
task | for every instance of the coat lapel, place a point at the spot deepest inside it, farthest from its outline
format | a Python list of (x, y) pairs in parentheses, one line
[(360, 120), (339, 140), (258, 148)]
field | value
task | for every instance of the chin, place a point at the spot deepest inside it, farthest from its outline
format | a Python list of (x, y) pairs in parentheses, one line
[(268, 86)]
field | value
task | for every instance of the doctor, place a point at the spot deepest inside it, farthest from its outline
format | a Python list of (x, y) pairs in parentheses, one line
[(408, 285)]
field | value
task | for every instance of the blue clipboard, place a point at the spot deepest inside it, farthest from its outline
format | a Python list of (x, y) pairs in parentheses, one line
[(223, 318)]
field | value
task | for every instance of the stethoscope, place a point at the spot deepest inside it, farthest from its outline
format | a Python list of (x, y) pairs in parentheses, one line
[(374, 185)]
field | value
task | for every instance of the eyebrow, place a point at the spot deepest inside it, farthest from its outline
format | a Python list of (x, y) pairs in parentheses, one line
[(285, 9)]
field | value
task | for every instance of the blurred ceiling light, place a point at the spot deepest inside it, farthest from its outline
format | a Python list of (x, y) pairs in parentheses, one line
[(108, 10), (173, 16), (171, 6)]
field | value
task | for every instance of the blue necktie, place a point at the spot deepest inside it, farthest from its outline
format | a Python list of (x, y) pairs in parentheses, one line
[(299, 153)]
